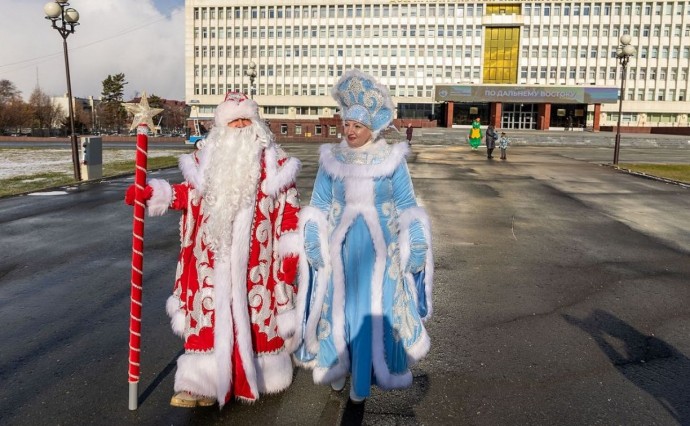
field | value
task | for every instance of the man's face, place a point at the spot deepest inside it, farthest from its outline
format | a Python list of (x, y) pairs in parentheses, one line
[(356, 133), (239, 123)]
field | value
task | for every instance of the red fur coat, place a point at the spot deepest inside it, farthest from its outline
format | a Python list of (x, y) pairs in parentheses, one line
[(235, 309)]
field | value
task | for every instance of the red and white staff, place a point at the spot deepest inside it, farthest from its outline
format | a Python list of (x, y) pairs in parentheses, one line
[(142, 121)]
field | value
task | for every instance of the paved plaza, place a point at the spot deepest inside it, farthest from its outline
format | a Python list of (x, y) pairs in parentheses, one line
[(560, 297)]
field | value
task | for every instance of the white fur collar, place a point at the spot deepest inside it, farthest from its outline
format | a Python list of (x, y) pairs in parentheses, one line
[(278, 177), (338, 169)]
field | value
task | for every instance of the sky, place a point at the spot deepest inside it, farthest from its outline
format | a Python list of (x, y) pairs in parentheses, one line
[(144, 39)]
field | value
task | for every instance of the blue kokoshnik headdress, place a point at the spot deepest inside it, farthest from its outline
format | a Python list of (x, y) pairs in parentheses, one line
[(361, 98)]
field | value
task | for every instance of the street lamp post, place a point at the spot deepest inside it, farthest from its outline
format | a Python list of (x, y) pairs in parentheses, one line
[(625, 51), (64, 19), (251, 73)]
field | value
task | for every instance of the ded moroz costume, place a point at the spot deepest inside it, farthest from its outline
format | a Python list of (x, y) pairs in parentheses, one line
[(232, 301), (366, 271)]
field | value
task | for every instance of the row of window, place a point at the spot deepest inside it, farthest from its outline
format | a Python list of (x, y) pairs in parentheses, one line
[(448, 73), (438, 10), (644, 31), (305, 90), (640, 94), (341, 31), (332, 71), (582, 72), (331, 51), (593, 52), (606, 9), (339, 11), (318, 129), (592, 74), (656, 95), (313, 33), (649, 117)]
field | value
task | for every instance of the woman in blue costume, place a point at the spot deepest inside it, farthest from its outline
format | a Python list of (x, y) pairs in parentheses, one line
[(367, 269)]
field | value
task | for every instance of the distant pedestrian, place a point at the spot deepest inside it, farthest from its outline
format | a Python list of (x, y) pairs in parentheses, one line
[(491, 138), (503, 143), (408, 131), (475, 136), (569, 123)]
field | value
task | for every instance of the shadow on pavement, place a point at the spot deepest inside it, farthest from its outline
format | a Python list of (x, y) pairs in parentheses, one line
[(160, 377), (650, 363)]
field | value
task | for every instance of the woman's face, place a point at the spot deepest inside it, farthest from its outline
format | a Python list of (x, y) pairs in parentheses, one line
[(356, 133)]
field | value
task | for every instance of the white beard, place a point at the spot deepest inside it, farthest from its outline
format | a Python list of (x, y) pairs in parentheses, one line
[(231, 174)]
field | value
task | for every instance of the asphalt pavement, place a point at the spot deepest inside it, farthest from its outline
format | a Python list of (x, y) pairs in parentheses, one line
[(560, 298)]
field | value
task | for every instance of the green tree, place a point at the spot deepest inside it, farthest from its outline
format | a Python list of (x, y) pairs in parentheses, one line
[(112, 113), (156, 101)]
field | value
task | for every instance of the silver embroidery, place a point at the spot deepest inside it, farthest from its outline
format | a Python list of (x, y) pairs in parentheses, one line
[(260, 304)]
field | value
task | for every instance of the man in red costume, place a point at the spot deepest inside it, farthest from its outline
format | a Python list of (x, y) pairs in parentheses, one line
[(232, 302)]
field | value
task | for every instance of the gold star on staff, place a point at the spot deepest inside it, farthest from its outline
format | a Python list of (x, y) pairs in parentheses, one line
[(143, 114)]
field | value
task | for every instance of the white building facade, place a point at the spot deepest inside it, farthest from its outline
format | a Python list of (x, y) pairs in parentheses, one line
[(415, 46)]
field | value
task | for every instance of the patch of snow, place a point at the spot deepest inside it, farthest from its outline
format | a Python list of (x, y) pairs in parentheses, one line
[(19, 162)]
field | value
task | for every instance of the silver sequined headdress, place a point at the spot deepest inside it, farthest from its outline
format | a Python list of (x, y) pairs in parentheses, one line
[(361, 98)]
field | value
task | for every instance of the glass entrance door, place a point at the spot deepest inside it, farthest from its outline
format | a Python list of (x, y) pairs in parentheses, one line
[(519, 116)]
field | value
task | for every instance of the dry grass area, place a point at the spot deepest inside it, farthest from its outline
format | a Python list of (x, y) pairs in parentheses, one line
[(677, 172)]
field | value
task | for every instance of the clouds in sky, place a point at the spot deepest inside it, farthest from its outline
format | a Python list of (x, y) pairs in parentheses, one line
[(114, 36)]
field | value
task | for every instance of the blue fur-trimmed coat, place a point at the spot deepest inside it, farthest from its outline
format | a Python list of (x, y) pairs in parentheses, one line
[(363, 207)]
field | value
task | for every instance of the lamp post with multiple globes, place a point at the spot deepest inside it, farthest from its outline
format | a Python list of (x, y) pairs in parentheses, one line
[(251, 73), (625, 51), (64, 19)]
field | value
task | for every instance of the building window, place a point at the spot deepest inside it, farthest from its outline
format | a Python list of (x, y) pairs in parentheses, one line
[(317, 129), (298, 129)]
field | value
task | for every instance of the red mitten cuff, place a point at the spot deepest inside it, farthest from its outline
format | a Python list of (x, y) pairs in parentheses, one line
[(129, 194), (289, 268)]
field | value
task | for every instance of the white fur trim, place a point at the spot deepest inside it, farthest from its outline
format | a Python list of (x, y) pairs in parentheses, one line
[(289, 244), (309, 365), (359, 196), (286, 323), (224, 338), (177, 318), (192, 168), (161, 198), (274, 372), (197, 373), (405, 221), (325, 376), (231, 110), (306, 214), (278, 178), (239, 258), (419, 349), (341, 170), (229, 279)]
